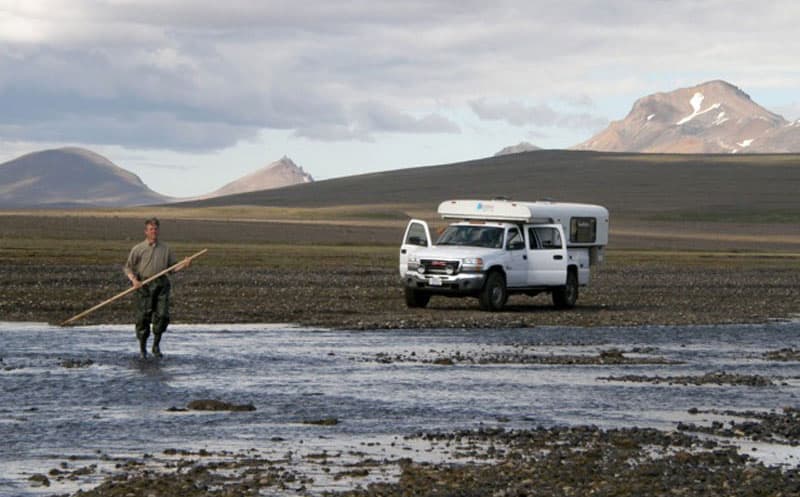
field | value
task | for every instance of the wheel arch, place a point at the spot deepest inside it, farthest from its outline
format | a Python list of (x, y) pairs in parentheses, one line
[(497, 268)]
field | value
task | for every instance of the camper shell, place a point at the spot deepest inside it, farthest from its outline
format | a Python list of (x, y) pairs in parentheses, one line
[(535, 247)]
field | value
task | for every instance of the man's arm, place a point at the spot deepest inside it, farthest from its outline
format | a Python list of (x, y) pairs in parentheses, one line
[(128, 269)]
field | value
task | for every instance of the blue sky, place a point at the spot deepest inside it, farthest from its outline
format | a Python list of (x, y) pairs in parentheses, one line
[(190, 95)]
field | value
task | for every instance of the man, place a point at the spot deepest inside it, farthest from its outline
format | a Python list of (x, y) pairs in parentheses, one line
[(152, 300)]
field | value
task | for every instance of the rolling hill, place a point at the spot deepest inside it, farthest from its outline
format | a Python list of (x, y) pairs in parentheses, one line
[(698, 186), (71, 177)]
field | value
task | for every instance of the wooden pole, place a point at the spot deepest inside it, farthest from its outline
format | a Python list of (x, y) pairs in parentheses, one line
[(130, 290)]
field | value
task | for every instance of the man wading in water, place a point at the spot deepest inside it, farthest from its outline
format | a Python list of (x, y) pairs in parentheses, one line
[(152, 300)]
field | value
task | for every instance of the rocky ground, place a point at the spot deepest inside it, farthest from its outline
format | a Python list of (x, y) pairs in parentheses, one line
[(361, 290), (357, 287), (558, 461)]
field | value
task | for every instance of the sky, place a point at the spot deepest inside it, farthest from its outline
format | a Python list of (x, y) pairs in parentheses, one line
[(192, 94)]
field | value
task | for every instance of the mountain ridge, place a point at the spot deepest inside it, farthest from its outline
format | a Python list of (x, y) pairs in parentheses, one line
[(712, 117)]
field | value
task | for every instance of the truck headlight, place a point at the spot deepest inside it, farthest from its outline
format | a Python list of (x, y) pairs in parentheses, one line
[(474, 264)]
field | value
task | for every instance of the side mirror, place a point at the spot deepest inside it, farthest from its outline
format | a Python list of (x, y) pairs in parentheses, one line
[(415, 240)]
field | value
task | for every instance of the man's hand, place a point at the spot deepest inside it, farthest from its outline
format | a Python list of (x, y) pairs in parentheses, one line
[(185, 263), (136, 283)]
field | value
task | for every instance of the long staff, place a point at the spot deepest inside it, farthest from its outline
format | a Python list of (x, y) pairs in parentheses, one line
[(131, 289)]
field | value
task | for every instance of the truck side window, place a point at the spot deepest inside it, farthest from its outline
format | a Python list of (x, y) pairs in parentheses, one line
[(416, 235), (533, 240), (548, 238), (515, 241)]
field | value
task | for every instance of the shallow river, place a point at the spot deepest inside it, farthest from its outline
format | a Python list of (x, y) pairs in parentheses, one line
[(379, 385)]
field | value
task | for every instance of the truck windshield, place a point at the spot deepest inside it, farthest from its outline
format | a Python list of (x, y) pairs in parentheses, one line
[(472, 236)]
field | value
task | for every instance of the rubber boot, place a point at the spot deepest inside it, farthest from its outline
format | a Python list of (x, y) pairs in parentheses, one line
[(156, 343), (142, 336)]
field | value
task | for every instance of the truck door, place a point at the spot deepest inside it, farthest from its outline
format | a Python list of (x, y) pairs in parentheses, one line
[(516, 264), (417, 236), (547, 255)]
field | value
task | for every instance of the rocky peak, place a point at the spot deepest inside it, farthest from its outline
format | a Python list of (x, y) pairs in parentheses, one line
[(283, 172), (518, 148), (713, 117)]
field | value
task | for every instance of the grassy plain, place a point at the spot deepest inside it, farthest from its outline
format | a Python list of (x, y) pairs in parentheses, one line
[(342, 272)]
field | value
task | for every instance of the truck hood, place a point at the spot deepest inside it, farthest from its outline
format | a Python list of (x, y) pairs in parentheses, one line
[(455, 252)]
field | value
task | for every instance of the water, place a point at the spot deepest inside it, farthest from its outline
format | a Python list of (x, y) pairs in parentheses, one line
[(118, 405)]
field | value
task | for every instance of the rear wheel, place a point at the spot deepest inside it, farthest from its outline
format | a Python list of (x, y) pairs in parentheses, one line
[(565, 297), (494, 294), (416, 298)]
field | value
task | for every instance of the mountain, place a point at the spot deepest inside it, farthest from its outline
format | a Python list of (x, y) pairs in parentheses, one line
[(71, 177), (713, 117), (518, 148), (283, 172)]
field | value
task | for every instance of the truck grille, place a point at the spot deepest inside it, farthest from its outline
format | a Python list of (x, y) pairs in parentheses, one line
[(438, 266)]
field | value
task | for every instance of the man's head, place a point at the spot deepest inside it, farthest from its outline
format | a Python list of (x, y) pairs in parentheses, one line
[(151, 227)]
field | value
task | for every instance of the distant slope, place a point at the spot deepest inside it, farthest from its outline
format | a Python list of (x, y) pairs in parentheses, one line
[(519, 147), (713, 117), (70, 177), (283, 172), (634, 183)]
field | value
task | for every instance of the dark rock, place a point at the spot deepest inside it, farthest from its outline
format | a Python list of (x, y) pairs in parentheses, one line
[(218, 405), (39, 480), (76, 363), (322, 422)]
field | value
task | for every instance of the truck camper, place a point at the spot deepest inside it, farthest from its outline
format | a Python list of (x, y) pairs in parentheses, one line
[(494, 248)]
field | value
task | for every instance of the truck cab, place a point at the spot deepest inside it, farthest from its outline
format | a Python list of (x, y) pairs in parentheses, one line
[(498, 248)]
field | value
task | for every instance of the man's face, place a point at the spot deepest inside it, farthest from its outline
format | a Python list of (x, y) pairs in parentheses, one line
[(151, 233)]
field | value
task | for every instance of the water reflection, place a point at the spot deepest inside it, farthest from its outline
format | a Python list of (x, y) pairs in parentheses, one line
[(377, 385)]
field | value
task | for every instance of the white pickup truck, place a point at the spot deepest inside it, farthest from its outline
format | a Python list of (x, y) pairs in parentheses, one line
[(499, 247)]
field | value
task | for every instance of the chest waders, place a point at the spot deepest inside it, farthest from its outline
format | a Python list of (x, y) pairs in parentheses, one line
[(152, 306)]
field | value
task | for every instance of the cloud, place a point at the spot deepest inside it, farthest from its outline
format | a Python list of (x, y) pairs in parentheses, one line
[(521, 114), (147, 131), (790, 111), (220, 72), (368, 118), (379, 117)]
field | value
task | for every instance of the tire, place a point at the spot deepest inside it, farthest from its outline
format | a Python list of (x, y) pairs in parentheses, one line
[(494, 294), (566, 296), (415, 298)]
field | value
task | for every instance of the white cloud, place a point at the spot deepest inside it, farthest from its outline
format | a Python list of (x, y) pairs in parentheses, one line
[(521, 114), (790, 111), (216, 73)]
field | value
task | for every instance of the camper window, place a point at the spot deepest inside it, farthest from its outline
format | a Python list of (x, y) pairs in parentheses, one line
[(582, 230)]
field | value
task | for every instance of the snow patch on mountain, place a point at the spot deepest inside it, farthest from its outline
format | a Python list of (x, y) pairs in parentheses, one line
[(696, 102), (720, 119)]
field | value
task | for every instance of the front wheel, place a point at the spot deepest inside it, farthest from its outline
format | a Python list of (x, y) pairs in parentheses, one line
[(494, 294), (415, 298), (565, 297)]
